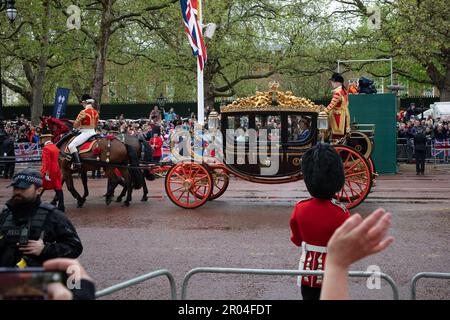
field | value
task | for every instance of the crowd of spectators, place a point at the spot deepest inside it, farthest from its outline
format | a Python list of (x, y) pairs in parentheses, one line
[(410, 121), (154, 129), (20, 129), (159, 121)]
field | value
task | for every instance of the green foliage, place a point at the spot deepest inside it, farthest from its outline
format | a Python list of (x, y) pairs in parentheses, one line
[(296, 42)]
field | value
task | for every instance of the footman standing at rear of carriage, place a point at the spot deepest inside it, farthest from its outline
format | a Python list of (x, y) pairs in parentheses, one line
[(337, 110), (314, 220)]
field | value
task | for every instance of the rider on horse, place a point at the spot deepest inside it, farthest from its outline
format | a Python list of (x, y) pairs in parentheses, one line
[(87, 122)]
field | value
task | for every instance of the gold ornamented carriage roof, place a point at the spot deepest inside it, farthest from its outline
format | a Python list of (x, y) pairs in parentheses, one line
[(272, 100)]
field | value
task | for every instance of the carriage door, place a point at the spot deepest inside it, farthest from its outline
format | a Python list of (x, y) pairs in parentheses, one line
[(297, 139), (269, 133)]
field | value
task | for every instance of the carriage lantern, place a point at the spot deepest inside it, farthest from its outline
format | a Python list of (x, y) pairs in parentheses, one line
[(323, 123), (213, 120)]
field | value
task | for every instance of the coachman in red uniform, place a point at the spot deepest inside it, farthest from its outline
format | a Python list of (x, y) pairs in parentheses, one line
[(314, 220), (50, 170), (86, 122)]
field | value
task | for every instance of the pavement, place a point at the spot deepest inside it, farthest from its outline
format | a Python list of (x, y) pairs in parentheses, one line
[(248, 227)]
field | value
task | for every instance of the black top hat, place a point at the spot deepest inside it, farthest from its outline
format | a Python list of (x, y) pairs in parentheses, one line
[(336, 77), (25, 178), (85, 97)]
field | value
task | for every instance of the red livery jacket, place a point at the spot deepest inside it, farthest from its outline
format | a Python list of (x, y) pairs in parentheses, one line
[(87, 119), (50, 166), (338, 113), (314, 221)]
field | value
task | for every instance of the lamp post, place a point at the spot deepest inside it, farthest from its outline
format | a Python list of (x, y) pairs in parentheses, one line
[(11, 13)]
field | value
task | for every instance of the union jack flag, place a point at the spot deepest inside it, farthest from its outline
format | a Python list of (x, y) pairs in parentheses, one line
[(189, 10), (441, 147), (25, 151)]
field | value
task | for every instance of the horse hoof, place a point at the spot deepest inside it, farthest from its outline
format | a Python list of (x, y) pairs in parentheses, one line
[(108, 201), (119, 200), (126, 204), (80, 203), (144, 198)]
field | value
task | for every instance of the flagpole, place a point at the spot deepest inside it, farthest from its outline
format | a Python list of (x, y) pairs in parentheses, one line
[(200, 88)]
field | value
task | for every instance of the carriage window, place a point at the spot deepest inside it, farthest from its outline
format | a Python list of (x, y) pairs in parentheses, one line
[(299, 128), (238, 122), (272, 125), (240, 126)]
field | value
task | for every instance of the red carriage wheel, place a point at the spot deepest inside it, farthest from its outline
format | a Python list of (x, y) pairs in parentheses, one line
[(189, 184), (358, 177), (221, 181)]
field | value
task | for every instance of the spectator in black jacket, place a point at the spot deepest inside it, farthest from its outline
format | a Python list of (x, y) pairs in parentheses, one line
[(420, 142)]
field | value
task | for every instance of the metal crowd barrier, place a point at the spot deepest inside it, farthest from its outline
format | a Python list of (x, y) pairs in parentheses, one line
[(429, 275), (279, 272), (140, 279), (405, 151)]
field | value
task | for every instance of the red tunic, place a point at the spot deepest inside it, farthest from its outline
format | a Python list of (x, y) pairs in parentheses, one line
[(314, 222), (87, 119), (338, 113), (50, 166), (156, 143)]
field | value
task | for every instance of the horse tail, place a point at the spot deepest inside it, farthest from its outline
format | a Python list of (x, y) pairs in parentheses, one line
[(136, 178)]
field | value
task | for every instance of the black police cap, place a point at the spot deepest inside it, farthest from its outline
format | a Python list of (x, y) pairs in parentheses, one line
[(25, 178)]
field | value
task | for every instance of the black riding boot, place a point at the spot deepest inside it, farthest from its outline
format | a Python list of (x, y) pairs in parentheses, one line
[(76, 160), (60, 196)]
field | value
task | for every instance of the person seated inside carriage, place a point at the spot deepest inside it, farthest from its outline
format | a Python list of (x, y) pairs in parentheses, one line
[(304, 131)]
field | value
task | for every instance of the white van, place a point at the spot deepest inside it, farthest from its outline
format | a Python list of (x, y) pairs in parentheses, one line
[(439, 110)]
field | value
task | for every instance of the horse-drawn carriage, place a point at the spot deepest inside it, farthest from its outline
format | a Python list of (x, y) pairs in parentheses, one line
[(263, 138), (259, 139)]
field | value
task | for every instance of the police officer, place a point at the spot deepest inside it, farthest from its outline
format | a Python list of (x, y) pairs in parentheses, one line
[(31, 231)]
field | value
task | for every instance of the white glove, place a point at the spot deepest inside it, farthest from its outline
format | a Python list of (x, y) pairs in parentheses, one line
[(47, 177)]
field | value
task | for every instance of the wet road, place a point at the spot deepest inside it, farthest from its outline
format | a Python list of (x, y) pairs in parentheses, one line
[(248, 227)]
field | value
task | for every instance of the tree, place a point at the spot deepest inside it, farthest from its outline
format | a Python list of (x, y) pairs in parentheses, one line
[(417, 34), (30, 47), (102, 20)]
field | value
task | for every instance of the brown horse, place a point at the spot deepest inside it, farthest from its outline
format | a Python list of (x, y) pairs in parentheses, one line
[(107, 153)]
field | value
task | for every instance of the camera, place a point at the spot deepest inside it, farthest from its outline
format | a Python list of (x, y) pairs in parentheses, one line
[(27, 284)]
